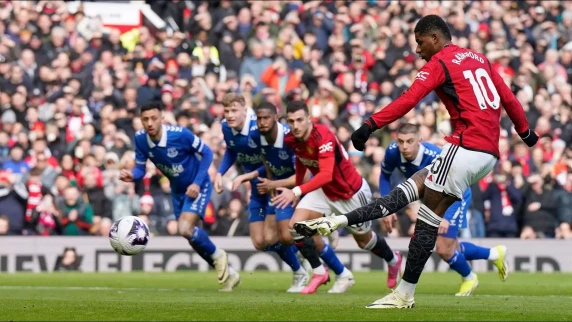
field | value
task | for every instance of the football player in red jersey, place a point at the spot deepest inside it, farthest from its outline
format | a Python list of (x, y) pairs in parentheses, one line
[(473, 94), (336, 188)]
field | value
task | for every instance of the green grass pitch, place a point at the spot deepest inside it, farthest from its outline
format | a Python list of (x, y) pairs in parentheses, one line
[(194, 296)]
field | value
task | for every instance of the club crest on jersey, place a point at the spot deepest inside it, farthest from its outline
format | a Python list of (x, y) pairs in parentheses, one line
[(172, 152), (231, 143), (310, 150), (283, 155), (251, 143)]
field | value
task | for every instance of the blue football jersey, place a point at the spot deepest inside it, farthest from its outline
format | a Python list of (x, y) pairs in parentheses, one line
[(394, 160), (176, 155), (243, 146), (279, 158)]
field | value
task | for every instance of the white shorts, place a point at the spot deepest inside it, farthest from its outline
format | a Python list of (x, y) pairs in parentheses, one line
[(457, 168), (318, 201)]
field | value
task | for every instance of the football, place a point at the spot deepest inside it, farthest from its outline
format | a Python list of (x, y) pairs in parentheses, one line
[(129, 235)]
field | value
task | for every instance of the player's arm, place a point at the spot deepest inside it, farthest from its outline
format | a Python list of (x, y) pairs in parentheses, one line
[(387, 167), (198, 146), (140, 163), (429, 77), (228, 159), (326, 162), (513, 109)]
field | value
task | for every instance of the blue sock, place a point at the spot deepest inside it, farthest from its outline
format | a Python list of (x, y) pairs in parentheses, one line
[(287, 253), (459, 264), (206, 257), (331, 259), (472, 251), (201, 241)]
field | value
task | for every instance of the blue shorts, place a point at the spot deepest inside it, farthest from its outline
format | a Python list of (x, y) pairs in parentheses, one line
[(281, 214), (457, 215), (258, 207), (183, 203)]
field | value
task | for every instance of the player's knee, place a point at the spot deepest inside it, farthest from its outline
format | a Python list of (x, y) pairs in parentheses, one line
[(258, 242), (185, 228), (285, 238), (444, 249)]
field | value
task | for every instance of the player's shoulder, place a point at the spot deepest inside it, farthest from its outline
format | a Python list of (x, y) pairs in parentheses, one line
[(320, 134), (392, 150), (458, 56), (431, 148)]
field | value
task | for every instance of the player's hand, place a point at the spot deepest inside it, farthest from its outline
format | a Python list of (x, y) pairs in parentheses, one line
[(237, 182), (285, 198), (389, 221), (529, 137), (361, 135), (265, 185), (193, 190), (218, 183), (443, 227), (126, 175)]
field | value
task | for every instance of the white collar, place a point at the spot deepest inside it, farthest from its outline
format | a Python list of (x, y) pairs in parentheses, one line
[(163, 142), (246, 126), (279, 143), (418, 159)]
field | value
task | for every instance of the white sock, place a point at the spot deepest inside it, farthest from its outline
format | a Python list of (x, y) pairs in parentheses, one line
[(217, 254), (346, 273), (393, 261), (320, 270), (470, 277), (300, 271), (406, 288), (494, 254)]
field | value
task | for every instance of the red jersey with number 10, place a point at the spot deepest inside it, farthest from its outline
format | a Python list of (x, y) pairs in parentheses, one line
[(472, 93), (328, 161)]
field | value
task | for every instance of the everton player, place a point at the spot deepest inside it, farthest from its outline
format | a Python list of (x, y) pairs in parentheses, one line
[(174, 150), (410, 155), (243, 145), (335, 189), (473, 94), (280, 170)]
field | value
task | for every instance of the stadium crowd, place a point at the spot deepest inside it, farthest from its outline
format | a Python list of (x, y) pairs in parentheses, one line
[(70, 89)]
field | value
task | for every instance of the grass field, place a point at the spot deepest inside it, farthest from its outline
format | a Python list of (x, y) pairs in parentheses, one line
[(261, 296)]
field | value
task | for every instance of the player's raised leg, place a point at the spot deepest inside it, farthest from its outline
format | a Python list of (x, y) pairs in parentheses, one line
[(191, 210)]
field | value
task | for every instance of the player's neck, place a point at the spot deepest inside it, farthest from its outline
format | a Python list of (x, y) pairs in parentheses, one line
[(272, 135), (239, 127), (307, 135), (157, 137)]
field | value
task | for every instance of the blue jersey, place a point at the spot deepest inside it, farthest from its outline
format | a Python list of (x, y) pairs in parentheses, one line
[(176, 155), (243, 146), (427, 153), (279, 158)]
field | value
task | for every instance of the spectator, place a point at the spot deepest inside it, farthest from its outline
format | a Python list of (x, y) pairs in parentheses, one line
[(13, 197), (77, 214), (45, 218), (502, 202), (539, 217)]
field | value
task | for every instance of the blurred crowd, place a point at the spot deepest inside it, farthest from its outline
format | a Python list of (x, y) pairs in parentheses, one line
[(70, 89)]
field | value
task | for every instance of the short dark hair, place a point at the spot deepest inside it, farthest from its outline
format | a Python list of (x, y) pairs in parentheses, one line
[(432, 23), (267, 106), (408, 128), (295, 106), (151, 106)]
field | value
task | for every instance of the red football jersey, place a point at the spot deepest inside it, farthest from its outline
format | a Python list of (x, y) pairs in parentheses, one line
[(473, 94), (322, 153)]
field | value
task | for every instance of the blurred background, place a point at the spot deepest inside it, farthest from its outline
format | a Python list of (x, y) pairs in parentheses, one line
[(73, 74)]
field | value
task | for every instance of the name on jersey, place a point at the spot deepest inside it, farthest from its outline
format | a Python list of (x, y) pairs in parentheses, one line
[(171, 171), (461, 56), (279, 171), (248, 158), (309, 163)]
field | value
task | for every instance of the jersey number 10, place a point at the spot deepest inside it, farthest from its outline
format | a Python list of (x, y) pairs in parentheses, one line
[(480, 89)]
